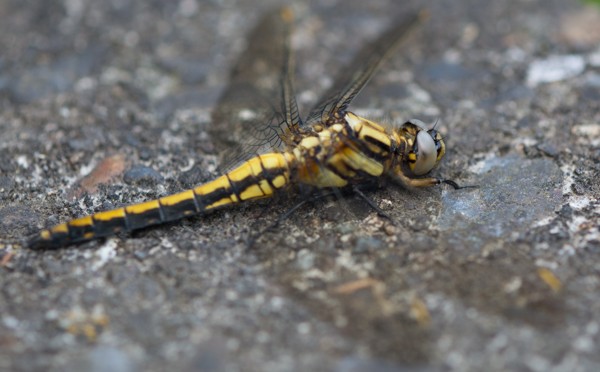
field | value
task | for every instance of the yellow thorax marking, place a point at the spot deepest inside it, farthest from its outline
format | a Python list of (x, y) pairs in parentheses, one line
[(361, 162), (273, 160), (356, 121), (325, 178), (378, 135), (310, 142), (337, 128)]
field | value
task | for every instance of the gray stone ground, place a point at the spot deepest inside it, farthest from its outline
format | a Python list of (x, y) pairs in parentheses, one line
[(105, 103)]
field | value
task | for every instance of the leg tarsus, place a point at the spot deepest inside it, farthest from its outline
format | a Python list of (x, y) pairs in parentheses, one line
[(456, 186)]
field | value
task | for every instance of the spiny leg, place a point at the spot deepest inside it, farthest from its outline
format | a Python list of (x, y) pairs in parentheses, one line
[(256, 225), (342, 200), (253, 238), (372, 204)]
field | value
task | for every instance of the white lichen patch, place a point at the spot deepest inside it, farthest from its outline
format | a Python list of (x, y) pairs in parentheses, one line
[(86, 169), (583, 228), (105, 253), (578, 203), (567, 171), (543, 222), (521, 141), (22, 161), (588, 133), (555, 68), (483, 164)]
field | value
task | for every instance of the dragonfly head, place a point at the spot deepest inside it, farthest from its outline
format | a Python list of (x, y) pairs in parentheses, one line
[(425, 147)]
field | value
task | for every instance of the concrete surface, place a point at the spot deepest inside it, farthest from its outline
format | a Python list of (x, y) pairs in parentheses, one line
[(108, 103)]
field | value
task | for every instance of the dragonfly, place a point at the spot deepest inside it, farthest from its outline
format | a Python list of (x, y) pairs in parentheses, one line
[(332, 149)]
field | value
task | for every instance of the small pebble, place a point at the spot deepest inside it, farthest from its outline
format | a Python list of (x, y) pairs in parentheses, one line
[(140, 174), (554, 68)]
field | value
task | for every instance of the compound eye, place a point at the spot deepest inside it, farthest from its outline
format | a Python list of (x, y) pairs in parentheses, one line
[(426, 155)]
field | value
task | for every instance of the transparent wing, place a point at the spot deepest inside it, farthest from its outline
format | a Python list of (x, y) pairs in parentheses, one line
[(363, 66), (289, 105), (258, 110)]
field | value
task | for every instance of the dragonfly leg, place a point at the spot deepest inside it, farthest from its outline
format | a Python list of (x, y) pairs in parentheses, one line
[(426, 182), (372, 204), (254, 237), (457, 187)]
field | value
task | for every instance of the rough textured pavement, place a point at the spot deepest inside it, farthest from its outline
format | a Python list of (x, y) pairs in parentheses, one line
[(108, 103)]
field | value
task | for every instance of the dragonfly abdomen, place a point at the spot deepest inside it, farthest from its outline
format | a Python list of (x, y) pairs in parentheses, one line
[(259, 177)]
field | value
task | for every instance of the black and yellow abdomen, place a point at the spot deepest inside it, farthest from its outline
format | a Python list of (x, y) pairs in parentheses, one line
[(259, 177)]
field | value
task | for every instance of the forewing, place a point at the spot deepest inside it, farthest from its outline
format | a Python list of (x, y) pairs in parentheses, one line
[(258, 109), (367, 61)]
